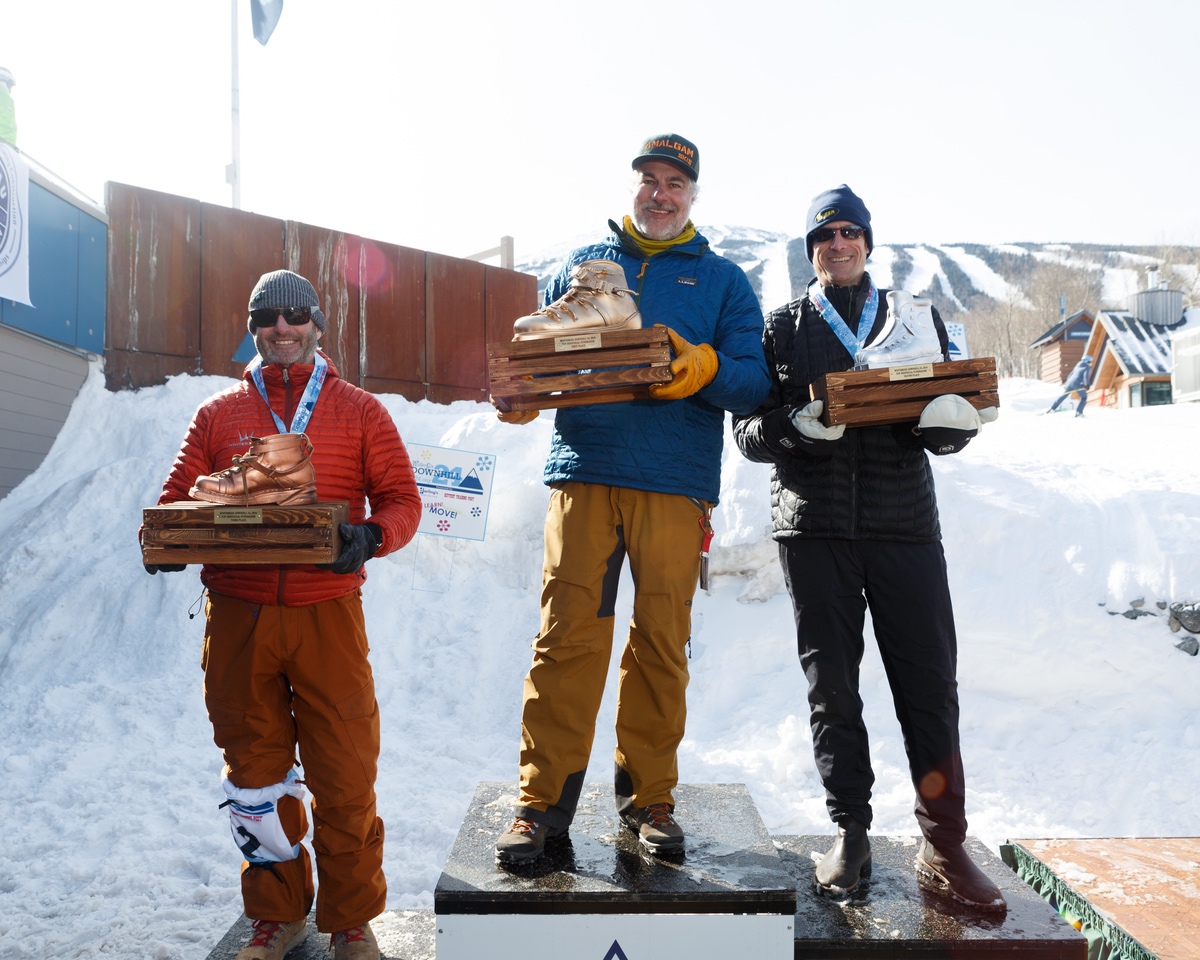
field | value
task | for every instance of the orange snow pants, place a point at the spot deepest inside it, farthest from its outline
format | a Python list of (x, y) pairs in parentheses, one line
[(281, 678), (590, 529)]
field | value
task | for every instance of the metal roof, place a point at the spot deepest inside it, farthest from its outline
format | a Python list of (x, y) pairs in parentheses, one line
[(1057, 331), (1141, 348)]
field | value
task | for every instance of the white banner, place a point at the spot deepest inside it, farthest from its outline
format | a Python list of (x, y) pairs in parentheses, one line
[(14, 226), (456, 488)]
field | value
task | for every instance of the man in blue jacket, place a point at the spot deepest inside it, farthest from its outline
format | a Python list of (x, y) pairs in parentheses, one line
[(1077, 382), (636, 479)]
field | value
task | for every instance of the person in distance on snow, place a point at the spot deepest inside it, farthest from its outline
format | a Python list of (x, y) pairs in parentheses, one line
[(855, 514), (1077, 382), (636, 478), (285, 647)]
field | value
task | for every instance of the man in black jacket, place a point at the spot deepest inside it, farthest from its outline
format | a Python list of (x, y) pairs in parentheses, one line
[(855, 514)]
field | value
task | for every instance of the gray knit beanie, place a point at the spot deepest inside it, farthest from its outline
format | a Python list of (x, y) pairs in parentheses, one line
[(282, 288)]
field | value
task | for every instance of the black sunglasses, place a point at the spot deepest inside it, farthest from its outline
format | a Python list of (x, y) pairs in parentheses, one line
[(825, 234), (267, 316)]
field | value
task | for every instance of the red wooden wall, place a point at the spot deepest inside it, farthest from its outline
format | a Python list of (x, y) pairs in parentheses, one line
[(400, 320)]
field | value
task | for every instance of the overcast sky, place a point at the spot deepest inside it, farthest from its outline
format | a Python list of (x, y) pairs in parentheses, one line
[(444, 126)]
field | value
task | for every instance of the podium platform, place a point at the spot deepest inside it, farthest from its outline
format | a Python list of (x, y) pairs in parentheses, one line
[(402, 935), (890, 917), (597, 890), (736, 891)]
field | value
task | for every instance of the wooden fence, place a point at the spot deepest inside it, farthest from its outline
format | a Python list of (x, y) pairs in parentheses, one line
[(400, 320)]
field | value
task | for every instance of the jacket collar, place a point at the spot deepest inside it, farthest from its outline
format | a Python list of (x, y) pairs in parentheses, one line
[(695, 247)]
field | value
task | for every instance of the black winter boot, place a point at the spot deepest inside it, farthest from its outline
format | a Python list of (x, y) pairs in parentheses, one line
[(847, 860), (953, 873)]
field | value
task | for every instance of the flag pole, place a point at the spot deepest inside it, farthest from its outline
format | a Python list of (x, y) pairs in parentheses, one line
[(233, 172)]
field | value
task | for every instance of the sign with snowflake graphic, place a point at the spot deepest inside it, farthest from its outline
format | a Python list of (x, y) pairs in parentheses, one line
[(456, 488)]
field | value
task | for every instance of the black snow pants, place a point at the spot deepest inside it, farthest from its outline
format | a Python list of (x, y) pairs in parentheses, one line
[(832, 583)]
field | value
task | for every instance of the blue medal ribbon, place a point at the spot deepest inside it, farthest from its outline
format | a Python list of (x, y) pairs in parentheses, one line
[(308, 399), (852, 343)]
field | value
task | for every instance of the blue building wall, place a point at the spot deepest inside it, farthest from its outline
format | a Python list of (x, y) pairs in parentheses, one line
[(68, 272)]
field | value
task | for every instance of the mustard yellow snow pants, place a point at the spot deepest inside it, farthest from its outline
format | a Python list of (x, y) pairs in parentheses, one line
[(590, 529)]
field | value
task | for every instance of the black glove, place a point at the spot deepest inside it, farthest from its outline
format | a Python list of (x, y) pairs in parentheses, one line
[(359, 543), (153, 568)]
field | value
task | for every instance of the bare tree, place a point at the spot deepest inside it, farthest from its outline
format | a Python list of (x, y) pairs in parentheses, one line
[(1179, 267), (1004, 328), (1060, 288), (1038, 287)]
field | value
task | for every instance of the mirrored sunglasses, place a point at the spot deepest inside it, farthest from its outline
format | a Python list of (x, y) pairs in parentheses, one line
[(293, 316), (825, 234)]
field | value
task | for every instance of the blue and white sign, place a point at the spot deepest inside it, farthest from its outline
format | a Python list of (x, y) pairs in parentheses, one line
[(957, 333), (456, 489), (14, 226)]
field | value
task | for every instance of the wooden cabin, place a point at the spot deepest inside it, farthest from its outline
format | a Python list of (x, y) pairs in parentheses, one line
[(1062, 346), (1132, 350)]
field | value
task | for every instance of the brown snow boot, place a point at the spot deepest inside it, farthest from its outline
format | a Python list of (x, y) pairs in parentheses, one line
[(272, 940), (524, 841), (357, 943), (953, 873), (655, 827), (597, 299), (275, 470)]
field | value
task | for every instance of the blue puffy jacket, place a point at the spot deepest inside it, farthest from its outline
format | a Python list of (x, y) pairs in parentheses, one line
[(1080, 375), (667, 446)]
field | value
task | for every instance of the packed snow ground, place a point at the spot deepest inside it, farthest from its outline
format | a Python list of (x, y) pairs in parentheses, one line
[(1075, 722)]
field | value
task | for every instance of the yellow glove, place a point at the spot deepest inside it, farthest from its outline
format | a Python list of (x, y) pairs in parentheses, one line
[(517, 416), (693, 368)]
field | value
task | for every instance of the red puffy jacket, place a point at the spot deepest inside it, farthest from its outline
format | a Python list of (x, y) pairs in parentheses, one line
[(357, 454)]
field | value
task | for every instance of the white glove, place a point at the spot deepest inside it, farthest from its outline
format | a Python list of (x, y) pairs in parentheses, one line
[(807, 421), (949, 412), (988, 414)]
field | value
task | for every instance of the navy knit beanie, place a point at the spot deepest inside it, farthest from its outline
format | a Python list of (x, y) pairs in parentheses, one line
[(282, 288), (840, 203)]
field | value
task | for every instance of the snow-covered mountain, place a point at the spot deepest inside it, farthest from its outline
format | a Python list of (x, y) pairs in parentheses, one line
[(959, 277)]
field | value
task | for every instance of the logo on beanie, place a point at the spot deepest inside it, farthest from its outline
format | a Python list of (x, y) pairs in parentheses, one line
[(826, 214)]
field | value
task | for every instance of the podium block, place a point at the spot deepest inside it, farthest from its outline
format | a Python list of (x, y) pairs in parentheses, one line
[(597, 891), (890, 917), (402, 935)]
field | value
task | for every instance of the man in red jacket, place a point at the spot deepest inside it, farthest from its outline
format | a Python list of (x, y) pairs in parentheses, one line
[(285, 648)]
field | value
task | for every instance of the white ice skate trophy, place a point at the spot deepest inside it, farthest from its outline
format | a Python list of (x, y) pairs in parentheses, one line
[(908, 335), (597, 299)]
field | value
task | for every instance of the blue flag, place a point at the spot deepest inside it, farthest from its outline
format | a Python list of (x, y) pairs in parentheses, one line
[(264, 14)]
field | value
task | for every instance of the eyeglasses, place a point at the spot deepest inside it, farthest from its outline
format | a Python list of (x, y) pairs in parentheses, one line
[(267, 316), (825, 234)]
